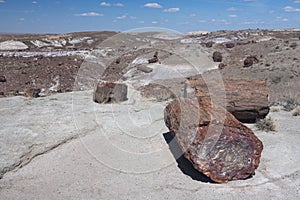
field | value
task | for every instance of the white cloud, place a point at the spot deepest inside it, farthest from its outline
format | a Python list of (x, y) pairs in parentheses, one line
[(154, 22), (296, 1), (122, 17), (232, 9), (22, 19), (153, 5), (280, 19), (202, 21), (253, 22), (105, 4), (118, 4), (2, 1), (172, 10), (183, 23), (141, 22), (193, 15), (232, 16), (219, 20), (89, 14), (248, 0), (133, 17), (291, 9), (34, 2)]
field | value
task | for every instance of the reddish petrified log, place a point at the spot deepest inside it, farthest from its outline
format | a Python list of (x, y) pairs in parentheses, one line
[(216, 143), (247, 100)]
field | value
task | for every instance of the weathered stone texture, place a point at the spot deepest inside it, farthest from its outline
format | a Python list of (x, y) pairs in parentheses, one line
[(247, 100), (216, 143)]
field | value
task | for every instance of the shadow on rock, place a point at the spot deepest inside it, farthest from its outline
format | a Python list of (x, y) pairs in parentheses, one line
[(184, 165)]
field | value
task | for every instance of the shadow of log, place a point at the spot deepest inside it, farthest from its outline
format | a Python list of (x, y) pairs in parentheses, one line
[(184, 165)]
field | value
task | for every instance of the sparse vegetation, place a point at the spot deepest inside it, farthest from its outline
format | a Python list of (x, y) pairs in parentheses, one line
[(290, 104), (266, 124), (275, 109), (296, 111)]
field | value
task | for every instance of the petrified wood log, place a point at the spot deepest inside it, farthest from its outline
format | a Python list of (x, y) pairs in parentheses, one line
[(250, 60), (247, 100), (216, 143), (109, 92), (217, 56)]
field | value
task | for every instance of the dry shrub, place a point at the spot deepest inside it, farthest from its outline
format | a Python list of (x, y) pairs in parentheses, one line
[(296, 111), (266, 124), (290, 104)]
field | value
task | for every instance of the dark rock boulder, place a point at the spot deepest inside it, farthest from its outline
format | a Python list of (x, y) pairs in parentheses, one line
[(250, 60), (229, 45), (110, 92), (216, 144), (154, 59), (118, 60), (209, 44), (2, 79), (221, 66), (217, 56)]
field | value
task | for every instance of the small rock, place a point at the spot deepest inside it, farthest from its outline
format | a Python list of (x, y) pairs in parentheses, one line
[(144, 69), (33, 92), (217, 56), (222, 66), (2, 79), (293, 45), (209, 44), (229, 45), (118, 60), (250, 60), (154, 59), (110, 92), (156, 92)]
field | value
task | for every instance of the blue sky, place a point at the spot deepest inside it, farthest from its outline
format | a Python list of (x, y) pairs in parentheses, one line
[(62, 16)]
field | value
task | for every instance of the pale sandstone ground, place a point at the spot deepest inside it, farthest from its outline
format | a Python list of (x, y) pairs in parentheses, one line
[(121, 153)]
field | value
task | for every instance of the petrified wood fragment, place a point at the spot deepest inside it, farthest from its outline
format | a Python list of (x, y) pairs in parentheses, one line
[(247, 100), (216, 143), (217, 56), (250, 60), (109, 92)]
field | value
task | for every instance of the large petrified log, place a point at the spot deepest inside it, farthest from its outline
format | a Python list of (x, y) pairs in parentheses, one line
[(110, 92), (216, 143), (247, 100)]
